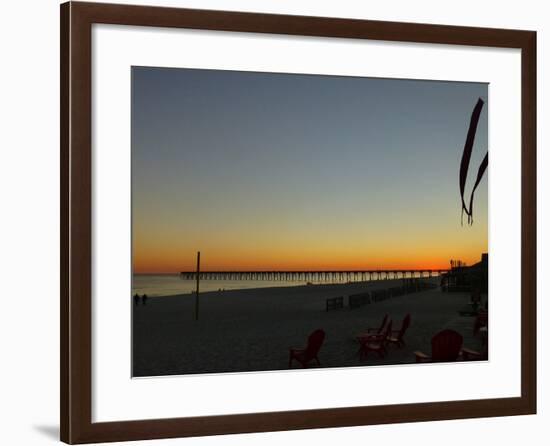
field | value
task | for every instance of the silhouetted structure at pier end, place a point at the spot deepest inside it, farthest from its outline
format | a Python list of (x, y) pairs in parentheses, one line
[(467, 278)]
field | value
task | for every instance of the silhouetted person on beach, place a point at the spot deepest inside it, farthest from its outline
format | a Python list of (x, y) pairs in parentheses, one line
[(144, 299), (136, 299)]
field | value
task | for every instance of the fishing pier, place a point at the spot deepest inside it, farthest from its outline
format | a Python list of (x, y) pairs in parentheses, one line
[(313, 276)]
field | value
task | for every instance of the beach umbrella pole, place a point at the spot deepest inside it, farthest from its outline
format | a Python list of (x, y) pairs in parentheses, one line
[(198, 281)]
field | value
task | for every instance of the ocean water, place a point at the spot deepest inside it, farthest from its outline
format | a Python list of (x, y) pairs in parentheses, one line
[(171, 284)]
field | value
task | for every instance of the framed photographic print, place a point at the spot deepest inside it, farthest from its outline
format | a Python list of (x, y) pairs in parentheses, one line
[(281, 222)]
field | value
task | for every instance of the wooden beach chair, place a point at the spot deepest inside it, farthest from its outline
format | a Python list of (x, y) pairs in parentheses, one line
[(374, 342), (379, 329), (306, 355), (396, 336), (447, 347)]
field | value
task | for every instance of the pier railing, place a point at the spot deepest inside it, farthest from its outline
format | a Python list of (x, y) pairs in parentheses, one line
[(313, 276)]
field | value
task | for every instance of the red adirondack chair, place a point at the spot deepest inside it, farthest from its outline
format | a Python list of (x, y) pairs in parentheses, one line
[(374, 342), (379, 329), (447, 347), (305, 355), (396, 336)]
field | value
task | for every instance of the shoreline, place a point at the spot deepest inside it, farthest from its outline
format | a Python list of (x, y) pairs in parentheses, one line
[(314, 286)]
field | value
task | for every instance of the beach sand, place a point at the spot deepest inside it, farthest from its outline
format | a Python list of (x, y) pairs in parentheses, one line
[(252, 330)]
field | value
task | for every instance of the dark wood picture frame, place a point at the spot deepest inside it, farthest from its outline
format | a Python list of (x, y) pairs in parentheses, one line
[(76, 221)]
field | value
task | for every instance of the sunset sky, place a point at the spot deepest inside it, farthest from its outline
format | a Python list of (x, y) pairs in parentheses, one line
[(265, 171)]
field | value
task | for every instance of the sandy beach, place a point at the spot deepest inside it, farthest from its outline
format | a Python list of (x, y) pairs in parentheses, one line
[(252, 330)]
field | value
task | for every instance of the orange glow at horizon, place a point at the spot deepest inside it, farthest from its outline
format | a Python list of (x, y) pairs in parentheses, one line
[(421, 238), (338, 255)]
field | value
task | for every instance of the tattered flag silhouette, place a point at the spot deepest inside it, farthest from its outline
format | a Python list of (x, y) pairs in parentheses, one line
[(465, 164)]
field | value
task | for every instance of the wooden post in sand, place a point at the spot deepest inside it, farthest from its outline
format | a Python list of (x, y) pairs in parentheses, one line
[(197, 292)]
